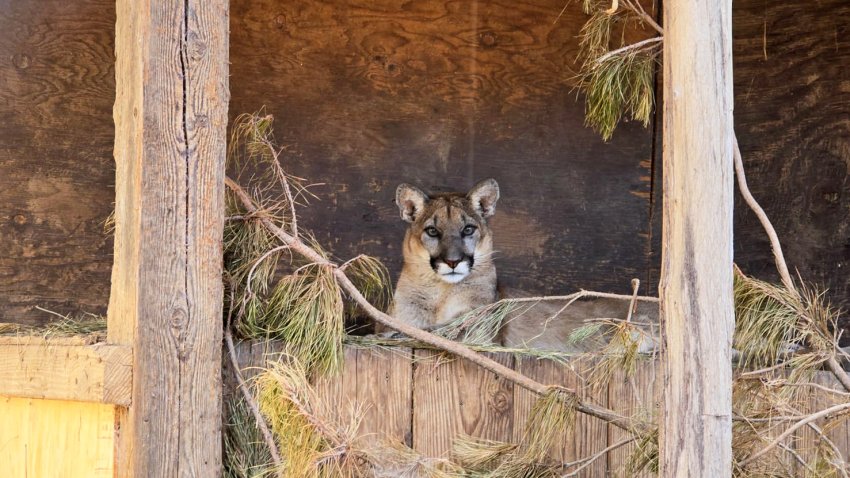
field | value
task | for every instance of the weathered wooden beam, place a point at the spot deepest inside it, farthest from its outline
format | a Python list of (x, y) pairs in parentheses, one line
[(41, 368), (696, 278), (170, 140)]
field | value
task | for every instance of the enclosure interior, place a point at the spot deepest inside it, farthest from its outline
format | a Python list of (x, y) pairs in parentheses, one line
[(368, 94)]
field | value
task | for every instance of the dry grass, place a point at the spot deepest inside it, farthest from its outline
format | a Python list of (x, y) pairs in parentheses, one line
[(85, 324)]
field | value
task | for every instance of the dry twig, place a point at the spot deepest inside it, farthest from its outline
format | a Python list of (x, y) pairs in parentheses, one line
[(779, 257), (455, 348), (246, 393)]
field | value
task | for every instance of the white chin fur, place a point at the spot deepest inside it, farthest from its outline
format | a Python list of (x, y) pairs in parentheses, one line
[(453, 276)]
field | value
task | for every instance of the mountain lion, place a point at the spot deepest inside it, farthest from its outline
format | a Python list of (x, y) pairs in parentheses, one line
[(449, 271)]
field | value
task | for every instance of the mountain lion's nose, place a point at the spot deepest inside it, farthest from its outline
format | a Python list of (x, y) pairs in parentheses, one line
[(451, 264)]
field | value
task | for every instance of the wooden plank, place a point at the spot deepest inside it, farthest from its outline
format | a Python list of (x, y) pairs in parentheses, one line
[(376, 381), (638, 395), (806, 441), (385, 389), (453, 397), (790, 115), (696, 274), (367, 95), (589, 435), (56, 91), (339, 393), (62, 439), (170, 119), (89, 373)]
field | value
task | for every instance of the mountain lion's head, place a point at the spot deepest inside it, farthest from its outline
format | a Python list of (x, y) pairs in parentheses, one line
[(448, 232)]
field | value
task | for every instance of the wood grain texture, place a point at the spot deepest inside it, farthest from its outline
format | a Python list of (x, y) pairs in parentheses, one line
[(376, 381), (638, 395), (54, 438), (589, 435), (793, 128), (448, 399), (57, 86), (794, 132), (171, 118), (89, 373), (696, 270), (456, 397), (367, 95)]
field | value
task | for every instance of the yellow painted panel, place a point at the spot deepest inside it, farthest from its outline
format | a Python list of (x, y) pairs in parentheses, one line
[(56, 439)]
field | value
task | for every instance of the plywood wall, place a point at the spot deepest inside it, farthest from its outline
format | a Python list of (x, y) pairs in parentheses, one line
[(439, 93), (368, 94), (57, 86), (56, 439)]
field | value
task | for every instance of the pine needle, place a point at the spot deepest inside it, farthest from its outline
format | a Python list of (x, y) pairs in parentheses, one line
[(372, 279), (480, 326), (479, 455), (245, 453), (769, 319), (552, 416), (305, 310), (617, 79), (309, 446), (617, 85)]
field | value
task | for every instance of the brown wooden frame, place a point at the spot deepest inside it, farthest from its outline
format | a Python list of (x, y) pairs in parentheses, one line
[(696, 267), (166, 300)]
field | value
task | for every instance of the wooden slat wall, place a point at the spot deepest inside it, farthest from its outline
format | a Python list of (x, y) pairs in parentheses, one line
[(425, 400)]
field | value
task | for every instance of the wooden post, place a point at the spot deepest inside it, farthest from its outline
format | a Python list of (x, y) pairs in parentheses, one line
[(166, 302), (696, 278)]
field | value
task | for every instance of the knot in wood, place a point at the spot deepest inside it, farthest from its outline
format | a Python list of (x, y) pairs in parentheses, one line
[(21, 61), (500, 401), (197, 47), (20, 219), (487, 39)]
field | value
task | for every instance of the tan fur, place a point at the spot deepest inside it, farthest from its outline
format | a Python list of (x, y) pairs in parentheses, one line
[(421, 297), (532, 326), (425, 300)]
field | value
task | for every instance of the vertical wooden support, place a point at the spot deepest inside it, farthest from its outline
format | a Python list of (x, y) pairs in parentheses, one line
[(170, 134), (696, 279)]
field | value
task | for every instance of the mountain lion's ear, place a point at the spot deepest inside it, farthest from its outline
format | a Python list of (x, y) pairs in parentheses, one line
[(484, 196), (410, 201)]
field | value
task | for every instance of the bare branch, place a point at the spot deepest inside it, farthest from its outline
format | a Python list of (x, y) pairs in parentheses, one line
[(790, 430), (423, 336), (585, 462), (246, 393)]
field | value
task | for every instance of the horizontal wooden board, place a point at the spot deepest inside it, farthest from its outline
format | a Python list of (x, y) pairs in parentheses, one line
[(55, 438), (38, 368)]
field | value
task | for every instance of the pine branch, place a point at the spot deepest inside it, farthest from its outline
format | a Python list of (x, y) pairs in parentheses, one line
[(296, 245)]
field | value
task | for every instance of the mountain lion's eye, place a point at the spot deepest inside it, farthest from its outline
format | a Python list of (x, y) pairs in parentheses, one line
[(468, 230), (432, 231)]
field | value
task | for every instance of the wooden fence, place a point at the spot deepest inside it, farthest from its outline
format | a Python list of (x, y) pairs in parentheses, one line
[(425, 400)]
